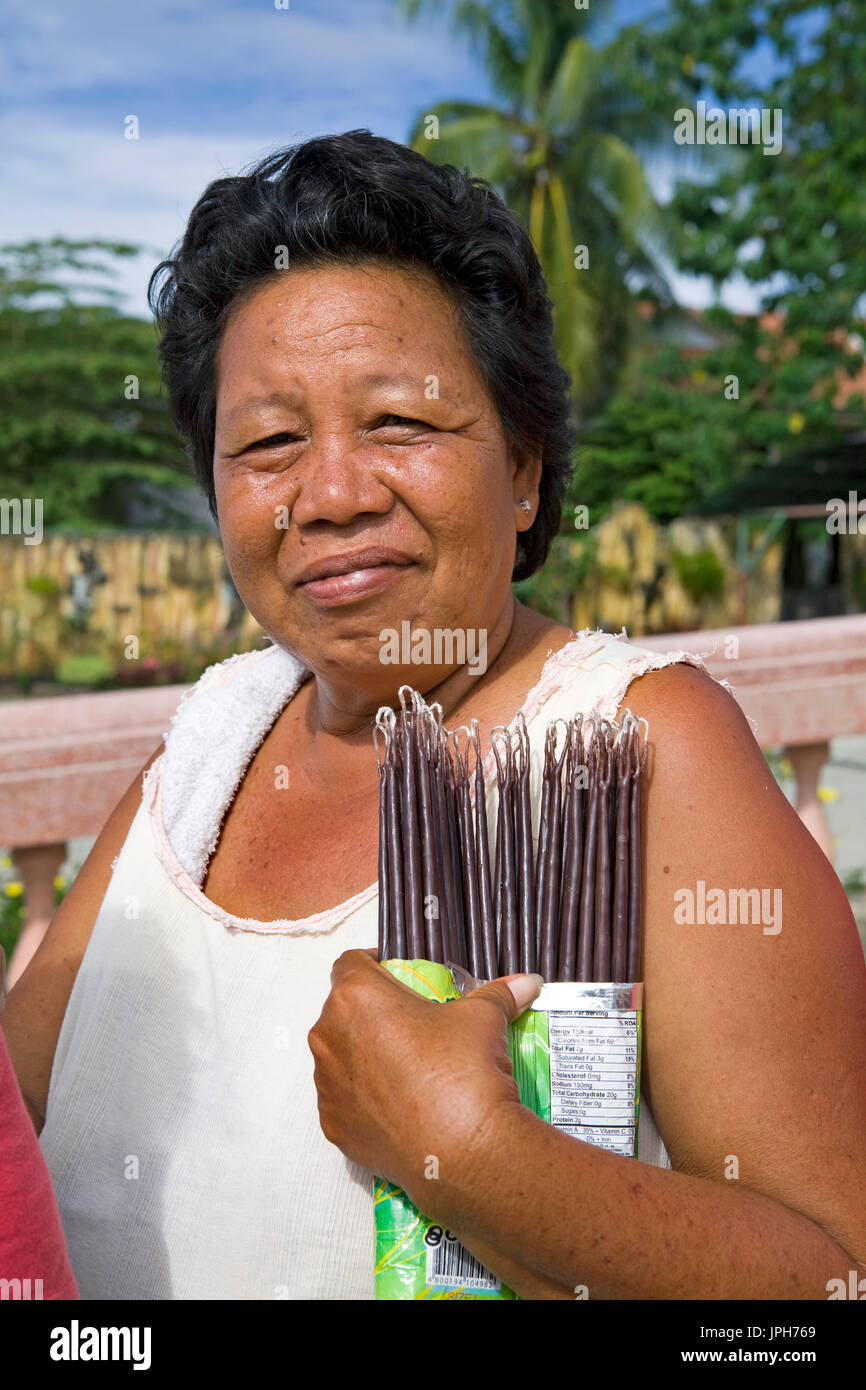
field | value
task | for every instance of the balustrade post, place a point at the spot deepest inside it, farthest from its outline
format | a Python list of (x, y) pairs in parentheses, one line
[(38, 866), (807, 761)]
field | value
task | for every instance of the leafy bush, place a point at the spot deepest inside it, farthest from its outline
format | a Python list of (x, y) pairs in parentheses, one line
[(13, 914), (84, 669), (701, 574)]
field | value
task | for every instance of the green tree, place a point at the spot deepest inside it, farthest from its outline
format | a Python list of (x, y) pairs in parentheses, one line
[(80, 398), (563, 146), (674, 433), (678, 431)]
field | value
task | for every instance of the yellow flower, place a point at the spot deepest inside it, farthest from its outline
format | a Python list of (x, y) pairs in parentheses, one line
[(5, 862), (699, 376), (827, 794), (796, 422), (59, 882), (785, 768), (14, 889)]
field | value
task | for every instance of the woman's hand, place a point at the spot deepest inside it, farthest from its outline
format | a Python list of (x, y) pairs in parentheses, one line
[(409, 1087)]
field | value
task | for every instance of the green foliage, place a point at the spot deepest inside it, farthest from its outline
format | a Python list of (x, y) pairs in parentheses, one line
[(854, 883), (671, 438), (793, 220), (43, 584), (563, 148), (13, 904), (664, 440), (13, 913), (85, 668), (564, 145), (70, 434), (569, 563), (701, 574)]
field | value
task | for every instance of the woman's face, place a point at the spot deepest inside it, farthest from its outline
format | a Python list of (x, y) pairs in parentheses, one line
[(351, 416)]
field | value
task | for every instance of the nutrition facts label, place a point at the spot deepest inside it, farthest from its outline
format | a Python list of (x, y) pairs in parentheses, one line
[(593, 1070)]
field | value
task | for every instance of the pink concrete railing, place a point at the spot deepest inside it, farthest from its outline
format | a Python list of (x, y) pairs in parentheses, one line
[(801, 683), (65, 762)]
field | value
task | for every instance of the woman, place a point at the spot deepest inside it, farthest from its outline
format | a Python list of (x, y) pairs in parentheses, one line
[(357, 346)]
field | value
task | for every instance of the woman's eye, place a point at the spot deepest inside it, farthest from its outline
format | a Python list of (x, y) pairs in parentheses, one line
[(387, 420), (274, 439)]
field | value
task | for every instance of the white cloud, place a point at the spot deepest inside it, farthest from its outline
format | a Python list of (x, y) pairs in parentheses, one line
[(181, 50), (115, 189), (214, 86)]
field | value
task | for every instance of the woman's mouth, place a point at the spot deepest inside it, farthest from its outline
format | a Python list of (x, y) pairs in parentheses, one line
[(356, 584)]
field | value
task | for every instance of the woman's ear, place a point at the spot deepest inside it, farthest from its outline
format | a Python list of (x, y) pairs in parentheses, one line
[(526, 479)]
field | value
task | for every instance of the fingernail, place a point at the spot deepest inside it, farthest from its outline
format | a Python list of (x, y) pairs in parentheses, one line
[(525, 988)]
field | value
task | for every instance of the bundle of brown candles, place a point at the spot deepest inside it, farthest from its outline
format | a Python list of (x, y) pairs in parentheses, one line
[(569, 912)]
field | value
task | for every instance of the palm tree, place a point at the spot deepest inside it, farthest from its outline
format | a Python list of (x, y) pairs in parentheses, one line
[(562, 149)]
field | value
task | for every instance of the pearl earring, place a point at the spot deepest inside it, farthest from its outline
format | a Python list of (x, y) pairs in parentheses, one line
[(526, 504)]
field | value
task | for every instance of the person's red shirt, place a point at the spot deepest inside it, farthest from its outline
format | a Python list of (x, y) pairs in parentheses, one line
[(32, 1245)]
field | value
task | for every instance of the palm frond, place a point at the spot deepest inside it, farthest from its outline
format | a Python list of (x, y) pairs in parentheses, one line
[(575, 318), (536, 215), (482, 140), (573, 85)]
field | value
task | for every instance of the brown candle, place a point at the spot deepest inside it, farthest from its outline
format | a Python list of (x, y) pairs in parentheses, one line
[(634, 895), (429, 867), (510, 942), (395, 855), (384, 903), (585, 926), (543, 846), (553, 867), (411, 840), (482, 850), (621, 786), (573, 856), (601, 941), (524, 852), (471, 896)]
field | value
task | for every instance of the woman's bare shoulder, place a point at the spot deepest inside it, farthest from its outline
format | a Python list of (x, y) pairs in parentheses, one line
[(689, 706)]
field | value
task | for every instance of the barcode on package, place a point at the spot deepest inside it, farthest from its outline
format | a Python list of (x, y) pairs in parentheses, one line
[(450, 1265)]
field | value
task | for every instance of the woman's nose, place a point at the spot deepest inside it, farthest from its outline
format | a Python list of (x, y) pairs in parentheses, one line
[(337, 478)]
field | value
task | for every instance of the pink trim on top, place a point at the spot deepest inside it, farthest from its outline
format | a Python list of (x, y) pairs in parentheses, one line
[(552, 675), (317, 923)]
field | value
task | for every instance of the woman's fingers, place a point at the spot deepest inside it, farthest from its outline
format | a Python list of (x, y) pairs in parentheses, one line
[(512, 994), (359, 958), (394, 1070)]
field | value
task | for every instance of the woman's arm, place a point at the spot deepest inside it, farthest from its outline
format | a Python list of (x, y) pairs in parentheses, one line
[(532, 1203), (755, 1040), (37, 1002)]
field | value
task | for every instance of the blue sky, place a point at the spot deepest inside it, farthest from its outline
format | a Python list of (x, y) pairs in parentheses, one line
[(214, 85)]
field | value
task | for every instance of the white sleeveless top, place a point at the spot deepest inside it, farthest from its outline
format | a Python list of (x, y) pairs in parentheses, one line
[(182, 1132)]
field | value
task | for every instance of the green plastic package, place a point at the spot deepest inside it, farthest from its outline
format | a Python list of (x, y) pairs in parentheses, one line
[(576, 1057)]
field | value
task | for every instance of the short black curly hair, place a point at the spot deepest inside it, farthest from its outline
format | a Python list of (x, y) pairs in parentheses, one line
[(355, 197)]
